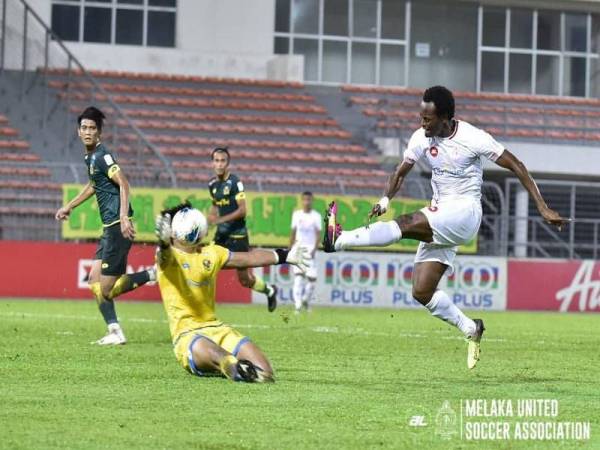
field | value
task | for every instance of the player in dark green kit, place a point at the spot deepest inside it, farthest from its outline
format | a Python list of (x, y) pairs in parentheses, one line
[(229, 214), (107, 278)]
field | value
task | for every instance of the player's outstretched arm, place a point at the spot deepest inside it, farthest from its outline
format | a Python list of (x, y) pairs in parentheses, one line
[(394, 184), (126, 225), (509, 161), (86, 192), (297, 255)]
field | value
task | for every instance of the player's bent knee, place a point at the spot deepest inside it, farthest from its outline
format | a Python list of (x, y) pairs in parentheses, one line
[(423, 296)]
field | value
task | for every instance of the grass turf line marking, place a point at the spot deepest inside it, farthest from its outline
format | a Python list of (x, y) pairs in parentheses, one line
[(318, 329)]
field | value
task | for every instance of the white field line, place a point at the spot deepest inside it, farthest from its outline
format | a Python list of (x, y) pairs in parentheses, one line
[(315, 329)]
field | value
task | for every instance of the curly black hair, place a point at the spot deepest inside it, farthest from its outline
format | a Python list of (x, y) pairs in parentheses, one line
[(443, 100)]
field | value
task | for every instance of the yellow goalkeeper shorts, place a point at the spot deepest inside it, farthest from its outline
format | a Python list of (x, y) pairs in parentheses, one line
[(226, 337)]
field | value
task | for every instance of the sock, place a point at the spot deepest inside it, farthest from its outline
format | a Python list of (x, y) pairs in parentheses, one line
[(309, 290), (227, 367), (442, 307), (129, 282), (378, 234), (106, 306), (298, 290), (262, 287)]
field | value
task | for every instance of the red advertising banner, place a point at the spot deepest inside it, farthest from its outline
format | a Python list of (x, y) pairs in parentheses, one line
[(553, 285), (59, 270)]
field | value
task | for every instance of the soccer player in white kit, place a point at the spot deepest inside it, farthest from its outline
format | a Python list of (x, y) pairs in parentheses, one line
[(306, 230), (454, 150)]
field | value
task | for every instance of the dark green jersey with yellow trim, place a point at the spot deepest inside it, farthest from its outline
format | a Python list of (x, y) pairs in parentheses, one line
[(225, 195), (101, 167)]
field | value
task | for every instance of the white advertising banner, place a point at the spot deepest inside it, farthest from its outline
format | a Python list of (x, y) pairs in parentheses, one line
[(384, 280)]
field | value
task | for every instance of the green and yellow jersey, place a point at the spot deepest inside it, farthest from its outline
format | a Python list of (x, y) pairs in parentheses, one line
[(187, 283), (101, 168), (225, 195)]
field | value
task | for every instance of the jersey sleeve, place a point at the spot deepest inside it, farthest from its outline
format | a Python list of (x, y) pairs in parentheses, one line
[(489, 147), (416, 147), (211, 193), (237, 189), (294, 220), (107, 165), (222, 256)]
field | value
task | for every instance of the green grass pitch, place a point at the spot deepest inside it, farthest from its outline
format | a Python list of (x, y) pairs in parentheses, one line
[(346, 378)]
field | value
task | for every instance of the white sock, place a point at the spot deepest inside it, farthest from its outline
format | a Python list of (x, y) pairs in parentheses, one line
[(297, 290), (442, 307), (378, 234), (309, 290)]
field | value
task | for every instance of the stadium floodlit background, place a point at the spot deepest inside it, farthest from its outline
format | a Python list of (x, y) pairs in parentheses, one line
[(317, 95)]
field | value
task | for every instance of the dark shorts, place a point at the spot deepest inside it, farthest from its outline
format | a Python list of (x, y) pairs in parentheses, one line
[(233, 243), (112, 250)]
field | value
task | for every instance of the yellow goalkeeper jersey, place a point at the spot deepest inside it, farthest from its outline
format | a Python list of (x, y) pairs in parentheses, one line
[(187, 283)]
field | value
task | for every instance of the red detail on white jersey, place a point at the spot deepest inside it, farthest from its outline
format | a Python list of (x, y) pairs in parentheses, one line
[(433, 151), (432, 208)]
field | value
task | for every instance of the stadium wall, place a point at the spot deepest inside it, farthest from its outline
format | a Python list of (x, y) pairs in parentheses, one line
[(232, 38), (59, 271)]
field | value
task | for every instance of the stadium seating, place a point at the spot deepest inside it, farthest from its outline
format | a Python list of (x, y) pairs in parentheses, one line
[(508, 116), (26, 189), (273, 129)]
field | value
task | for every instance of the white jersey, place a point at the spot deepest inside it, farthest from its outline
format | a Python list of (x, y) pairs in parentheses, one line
[(307, 226), (455, 161)]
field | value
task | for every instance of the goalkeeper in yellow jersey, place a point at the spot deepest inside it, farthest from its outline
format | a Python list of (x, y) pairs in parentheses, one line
[(186, 274)]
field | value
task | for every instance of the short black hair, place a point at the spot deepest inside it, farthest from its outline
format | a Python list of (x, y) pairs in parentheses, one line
[(92, 113), (443, 100), (220, 150), (307, 193)]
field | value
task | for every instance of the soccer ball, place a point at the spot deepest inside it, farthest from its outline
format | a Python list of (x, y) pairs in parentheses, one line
[(189, 226)]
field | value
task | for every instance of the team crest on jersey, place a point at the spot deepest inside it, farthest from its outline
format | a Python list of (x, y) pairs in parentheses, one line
[(207, 264), (432, 208), (433, 151), (226, 190)]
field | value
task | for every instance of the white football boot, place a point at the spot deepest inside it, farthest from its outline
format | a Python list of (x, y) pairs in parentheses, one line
[(115, 336)]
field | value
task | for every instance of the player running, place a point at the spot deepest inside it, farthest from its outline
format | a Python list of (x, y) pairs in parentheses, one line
[(107, 278), (306, 230), (228, 213), (454, 149), (187, 273)]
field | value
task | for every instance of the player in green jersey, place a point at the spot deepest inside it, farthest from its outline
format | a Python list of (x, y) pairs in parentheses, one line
[(228, 213), (107, 181)]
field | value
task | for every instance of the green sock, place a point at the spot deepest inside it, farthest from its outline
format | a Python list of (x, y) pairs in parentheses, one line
[(106, 306)]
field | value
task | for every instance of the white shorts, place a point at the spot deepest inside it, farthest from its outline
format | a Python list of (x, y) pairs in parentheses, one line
[(454, 222), (311, 271)]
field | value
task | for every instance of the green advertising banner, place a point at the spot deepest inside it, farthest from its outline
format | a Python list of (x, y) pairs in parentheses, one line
[(269, 214)]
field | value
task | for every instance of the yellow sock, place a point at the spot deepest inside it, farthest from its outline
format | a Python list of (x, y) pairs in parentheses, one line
[(97, 291), (121, 285), (259, 285), (225, 365)]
